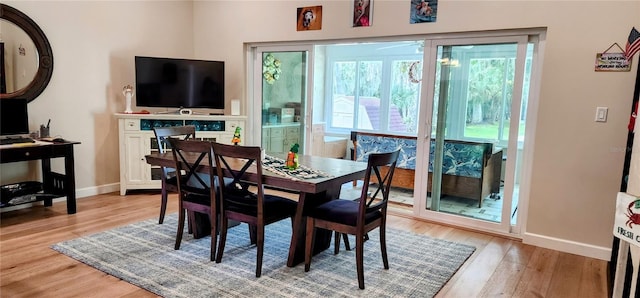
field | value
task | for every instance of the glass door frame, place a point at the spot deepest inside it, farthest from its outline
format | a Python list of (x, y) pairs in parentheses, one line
[(424, 136), (254, 100)]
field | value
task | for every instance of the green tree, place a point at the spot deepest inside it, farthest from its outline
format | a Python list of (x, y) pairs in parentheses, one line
[(404, 93), (490, 81)]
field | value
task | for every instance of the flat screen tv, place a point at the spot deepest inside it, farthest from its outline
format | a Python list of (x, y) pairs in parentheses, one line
[(13, 117), (179, 83)]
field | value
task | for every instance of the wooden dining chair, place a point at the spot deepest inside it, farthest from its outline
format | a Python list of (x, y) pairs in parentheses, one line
[(238, 203), (357, 217), (197, 190), (168, 178)]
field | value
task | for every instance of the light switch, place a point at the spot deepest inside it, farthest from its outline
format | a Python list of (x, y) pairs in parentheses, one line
[(601, 114)]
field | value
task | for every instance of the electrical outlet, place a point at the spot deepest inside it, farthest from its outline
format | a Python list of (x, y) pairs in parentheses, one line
[(601, 114)]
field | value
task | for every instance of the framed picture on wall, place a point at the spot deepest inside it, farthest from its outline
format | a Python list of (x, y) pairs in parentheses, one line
[(362, 13), (309, 18), (423, 11)]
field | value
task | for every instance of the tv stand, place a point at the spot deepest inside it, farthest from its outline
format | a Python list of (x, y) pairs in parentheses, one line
[(137, 139)]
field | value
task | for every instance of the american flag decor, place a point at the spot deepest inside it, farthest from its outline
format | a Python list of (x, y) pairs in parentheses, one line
[(633, 44)]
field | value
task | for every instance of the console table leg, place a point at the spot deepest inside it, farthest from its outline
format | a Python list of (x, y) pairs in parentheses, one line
[(47, 178), (70, 180)]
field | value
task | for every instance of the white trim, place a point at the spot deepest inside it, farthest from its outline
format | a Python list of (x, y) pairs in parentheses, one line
[(568, 246), (97, 190), (530, 131), (458, 221), (80, 193)]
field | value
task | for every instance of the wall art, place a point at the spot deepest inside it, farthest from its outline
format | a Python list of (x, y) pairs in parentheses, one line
[(423, 11), (362, 13), (309, 18)]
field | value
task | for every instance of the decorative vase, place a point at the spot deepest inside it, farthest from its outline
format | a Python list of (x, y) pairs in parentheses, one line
[(128, 93)]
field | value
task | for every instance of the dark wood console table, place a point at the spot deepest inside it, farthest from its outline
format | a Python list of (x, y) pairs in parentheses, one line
[(53, 184)]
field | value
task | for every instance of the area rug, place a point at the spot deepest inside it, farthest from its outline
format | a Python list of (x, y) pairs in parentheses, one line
[(142, 254)]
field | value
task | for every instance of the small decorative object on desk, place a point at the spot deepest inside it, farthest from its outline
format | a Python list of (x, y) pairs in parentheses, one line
[(236, 136), (128, 93), (44, 130), (292, 157)]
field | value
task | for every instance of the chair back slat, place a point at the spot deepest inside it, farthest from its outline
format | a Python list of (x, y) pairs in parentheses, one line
[(235, 161), (163, 134), (180, 132), (372, 203), (238, 159), (190, 156)]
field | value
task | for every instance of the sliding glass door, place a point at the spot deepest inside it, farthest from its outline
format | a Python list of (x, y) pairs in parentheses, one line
[(474, 132), (461, 103), (282, 96)]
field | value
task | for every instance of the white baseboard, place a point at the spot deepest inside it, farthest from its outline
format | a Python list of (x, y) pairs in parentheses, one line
[(568, 246), (80, 193), (97, 190)]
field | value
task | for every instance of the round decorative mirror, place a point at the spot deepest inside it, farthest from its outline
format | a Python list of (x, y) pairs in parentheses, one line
[(26, 58)]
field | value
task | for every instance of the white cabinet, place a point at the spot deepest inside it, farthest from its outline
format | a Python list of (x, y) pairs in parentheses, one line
[(136, 146), (291, 137), (280, 138), (137, 139), (276, 142)]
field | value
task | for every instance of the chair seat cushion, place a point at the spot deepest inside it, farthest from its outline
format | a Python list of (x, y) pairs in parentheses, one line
[(171, 183), (275, 207), (197, 195), (342, 211)]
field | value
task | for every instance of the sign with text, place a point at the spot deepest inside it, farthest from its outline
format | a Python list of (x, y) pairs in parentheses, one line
[(627, 220), (612, 62)]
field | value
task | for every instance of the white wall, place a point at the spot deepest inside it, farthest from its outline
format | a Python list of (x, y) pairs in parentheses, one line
[(94, 44), (577, 162)]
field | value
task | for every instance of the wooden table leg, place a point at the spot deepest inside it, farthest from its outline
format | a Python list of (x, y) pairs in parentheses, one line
[(202, 226), (297, 234), (322, 239)]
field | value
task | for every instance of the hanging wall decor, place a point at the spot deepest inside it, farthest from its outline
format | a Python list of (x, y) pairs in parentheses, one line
[(309, 18), (362, 13), (423, 11), (412, 72), (609, 60), (271, 69)]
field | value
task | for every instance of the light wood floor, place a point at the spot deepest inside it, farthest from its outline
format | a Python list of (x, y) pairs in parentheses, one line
[(499, 266)]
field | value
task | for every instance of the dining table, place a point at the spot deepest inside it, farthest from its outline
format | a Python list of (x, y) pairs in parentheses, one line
[(311, 192)]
